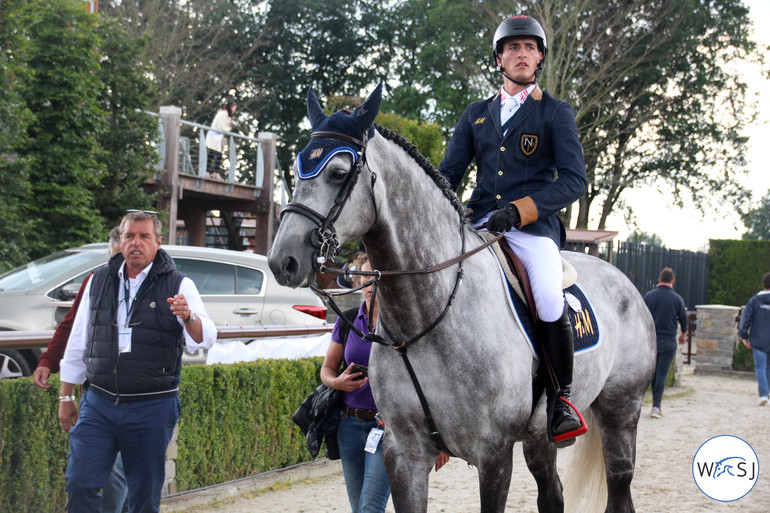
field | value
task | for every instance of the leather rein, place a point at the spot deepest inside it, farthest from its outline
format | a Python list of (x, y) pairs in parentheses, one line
[(328, 245)]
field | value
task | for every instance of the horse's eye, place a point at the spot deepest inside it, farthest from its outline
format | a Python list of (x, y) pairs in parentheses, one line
[(337, 175)]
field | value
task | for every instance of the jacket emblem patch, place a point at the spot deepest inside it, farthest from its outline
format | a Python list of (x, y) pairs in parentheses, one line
[(528, 144), (479, 121)]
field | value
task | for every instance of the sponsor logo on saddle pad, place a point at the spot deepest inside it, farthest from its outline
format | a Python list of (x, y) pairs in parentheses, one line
[(585, 330), (725, 468), (581, 316)]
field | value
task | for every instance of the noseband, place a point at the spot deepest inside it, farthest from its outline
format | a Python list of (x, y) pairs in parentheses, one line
[(324, 237)]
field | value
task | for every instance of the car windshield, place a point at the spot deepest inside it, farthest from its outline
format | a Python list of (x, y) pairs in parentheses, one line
[(44, 269)]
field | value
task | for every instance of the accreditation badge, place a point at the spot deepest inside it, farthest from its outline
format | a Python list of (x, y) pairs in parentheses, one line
[(124, 339)]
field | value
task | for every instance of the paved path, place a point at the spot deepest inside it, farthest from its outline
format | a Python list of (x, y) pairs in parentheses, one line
[(705, 406)]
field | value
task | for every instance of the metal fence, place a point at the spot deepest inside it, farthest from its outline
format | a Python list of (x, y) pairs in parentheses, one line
[(642, 263)]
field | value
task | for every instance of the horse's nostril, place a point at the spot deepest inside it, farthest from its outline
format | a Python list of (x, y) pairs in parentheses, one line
[(292, 266)]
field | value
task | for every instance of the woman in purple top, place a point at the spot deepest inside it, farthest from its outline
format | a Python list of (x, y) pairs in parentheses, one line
[(359, 434)]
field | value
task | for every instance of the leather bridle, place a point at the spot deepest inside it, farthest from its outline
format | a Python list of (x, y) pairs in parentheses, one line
[(328, 245), (324, 237)]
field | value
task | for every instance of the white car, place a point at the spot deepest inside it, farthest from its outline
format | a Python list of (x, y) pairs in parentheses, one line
[(237, 288)]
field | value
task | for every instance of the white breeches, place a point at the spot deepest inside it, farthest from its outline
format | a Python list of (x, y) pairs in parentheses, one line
[(540, 257)]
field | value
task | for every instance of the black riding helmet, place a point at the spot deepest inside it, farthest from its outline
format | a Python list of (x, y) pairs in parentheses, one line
[(519, 26)]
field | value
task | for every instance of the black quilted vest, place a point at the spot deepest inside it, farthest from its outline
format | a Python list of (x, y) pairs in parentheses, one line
[(151, 369)]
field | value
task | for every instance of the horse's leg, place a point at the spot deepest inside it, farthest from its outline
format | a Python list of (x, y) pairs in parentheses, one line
[(540, 455), (495, 477), (408, 475), (618, 423)]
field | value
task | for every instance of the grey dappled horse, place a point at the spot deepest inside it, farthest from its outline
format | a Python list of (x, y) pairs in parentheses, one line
[(475, 366)]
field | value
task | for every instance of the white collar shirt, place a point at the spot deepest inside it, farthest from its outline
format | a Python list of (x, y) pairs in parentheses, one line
[(509, 104)]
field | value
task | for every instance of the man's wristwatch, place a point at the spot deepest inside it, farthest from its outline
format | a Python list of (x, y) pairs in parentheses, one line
[(190, 319)]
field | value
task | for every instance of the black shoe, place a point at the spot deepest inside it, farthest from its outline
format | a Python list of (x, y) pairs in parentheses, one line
[(564, 420)]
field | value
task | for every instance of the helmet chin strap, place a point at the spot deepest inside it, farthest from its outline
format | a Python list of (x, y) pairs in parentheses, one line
[(524, 84)]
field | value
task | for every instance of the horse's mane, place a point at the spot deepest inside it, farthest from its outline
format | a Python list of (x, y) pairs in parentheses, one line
[(426, 164)]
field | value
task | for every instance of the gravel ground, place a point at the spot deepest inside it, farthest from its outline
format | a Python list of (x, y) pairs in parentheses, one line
[(703, 407)]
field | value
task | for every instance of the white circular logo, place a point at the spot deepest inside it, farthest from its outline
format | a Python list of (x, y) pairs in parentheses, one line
[(725, 468)]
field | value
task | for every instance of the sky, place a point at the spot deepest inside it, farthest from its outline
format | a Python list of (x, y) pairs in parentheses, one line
[(686, 228)]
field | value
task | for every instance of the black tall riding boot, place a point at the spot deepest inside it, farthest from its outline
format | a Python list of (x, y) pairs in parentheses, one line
[(559, 346)]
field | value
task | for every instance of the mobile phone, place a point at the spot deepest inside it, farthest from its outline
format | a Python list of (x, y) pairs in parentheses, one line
[(359, 368)]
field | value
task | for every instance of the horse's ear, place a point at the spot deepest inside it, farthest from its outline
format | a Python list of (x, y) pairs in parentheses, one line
[(315, 113), (363, 116)]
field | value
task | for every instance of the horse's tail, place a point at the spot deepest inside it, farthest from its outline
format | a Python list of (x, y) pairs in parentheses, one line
[(585, 483)]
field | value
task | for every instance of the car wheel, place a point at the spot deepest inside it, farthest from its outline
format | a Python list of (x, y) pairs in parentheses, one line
[(13, 364)]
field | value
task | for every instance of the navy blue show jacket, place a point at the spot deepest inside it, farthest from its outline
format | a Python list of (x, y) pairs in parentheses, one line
[(522, 167)]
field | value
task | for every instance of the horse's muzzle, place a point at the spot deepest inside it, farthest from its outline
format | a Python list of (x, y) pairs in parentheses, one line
[(286, 269)]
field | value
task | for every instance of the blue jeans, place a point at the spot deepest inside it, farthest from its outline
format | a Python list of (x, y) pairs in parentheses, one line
[(661, 372), (116, 490), (762, 371), (365, 477), (139, 430)]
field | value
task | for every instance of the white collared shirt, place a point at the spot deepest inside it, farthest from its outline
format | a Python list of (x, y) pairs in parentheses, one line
[(510, 104), (73, 366)]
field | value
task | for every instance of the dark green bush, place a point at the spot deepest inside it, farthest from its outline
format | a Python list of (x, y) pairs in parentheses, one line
[(33, 448), (737, 267), (236, 419), (236, 422), (743, 358)]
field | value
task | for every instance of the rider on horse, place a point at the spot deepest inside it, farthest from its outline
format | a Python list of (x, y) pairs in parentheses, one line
[(522, 139)]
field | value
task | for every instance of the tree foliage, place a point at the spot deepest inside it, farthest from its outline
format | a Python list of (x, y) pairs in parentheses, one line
[(126, 142), (74, 145), (655, 99), (736, 270), (757, 221), (642, 237), (62, 95), (335, 46), (195, 49), (647, 79), (14, 118)]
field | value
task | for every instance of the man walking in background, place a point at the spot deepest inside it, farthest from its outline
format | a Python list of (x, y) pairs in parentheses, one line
[(668, 310), (755, 334)]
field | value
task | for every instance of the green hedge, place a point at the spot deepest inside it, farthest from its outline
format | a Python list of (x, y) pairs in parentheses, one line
[(236, 419), (236, 422), (743, 358), (33, 448), (737, 267)]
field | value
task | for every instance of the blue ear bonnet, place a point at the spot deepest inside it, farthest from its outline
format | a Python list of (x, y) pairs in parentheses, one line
[(320, 150)]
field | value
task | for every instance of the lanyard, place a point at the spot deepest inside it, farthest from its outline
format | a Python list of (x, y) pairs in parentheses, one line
[(127, 297)]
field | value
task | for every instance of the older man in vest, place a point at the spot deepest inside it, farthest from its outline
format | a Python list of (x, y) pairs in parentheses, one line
[(126, 344)]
